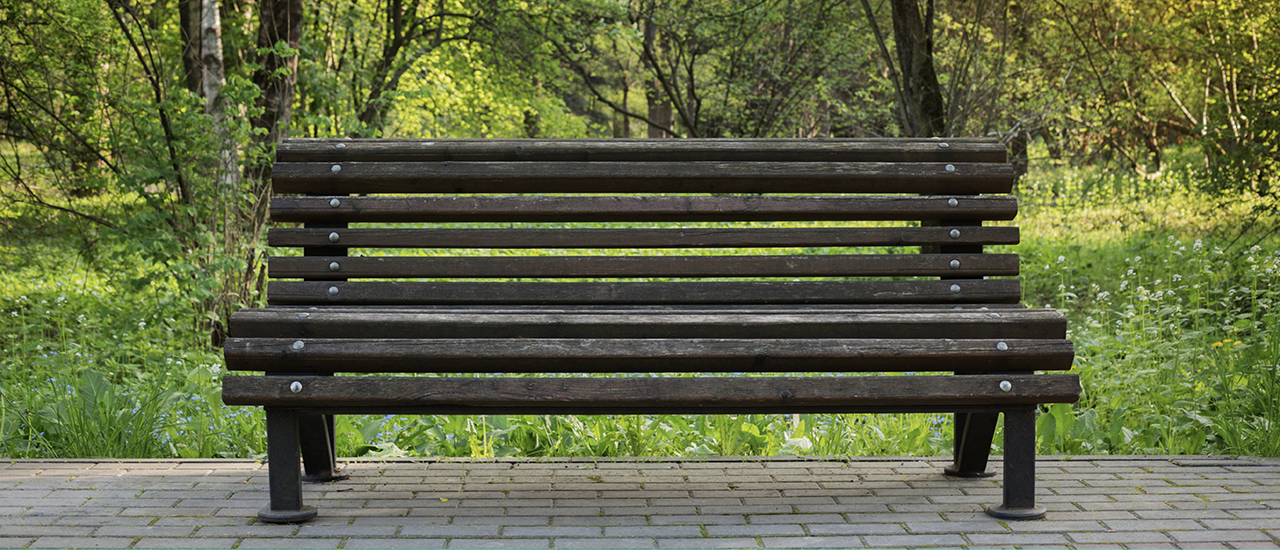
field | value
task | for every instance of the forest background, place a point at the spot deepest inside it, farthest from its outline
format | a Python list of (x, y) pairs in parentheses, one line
[(137, 140)]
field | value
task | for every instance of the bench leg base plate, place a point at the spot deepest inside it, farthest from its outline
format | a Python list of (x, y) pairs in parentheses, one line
[(1000, 512), (953, 472), (336, 475), (267, 515)]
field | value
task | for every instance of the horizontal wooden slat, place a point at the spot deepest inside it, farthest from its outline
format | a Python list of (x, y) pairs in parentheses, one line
[(649, 395), (639, 209), (551, 267), (995, 291), (375, 323), (643, 238), (639, 150), (641, 177), (643, 355)]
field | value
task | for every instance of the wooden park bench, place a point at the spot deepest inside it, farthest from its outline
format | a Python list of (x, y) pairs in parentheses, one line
[(812, 276)]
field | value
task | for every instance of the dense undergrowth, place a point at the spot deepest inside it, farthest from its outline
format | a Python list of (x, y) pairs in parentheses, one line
[(1171, 296)]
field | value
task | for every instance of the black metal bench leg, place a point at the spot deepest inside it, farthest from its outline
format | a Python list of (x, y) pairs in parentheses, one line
[(972, 441), (1019, 467), (319, 456), (283, 468)]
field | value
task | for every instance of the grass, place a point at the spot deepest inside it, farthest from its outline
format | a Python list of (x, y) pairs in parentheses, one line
[(1171, 297)]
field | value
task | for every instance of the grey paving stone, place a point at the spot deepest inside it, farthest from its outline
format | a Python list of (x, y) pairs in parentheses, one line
[(1132, 537), (708, 543), (449, 531), (15, 542), (43, 530), (1051, 526), (202, 521), (81, 542), (1272, 522), (346, 530), (855, 529), (1021, 539), (764, 519), (604, 544), (721, 519), (183, 543), (551, 531), (653, 531), (143, 531), (914, 541), (956, 527), (289, 544), (754, 530), (499, 544), (1219, 536), (393, 544), (1254, 545), (259, 530), (600, 520), (812, 542)]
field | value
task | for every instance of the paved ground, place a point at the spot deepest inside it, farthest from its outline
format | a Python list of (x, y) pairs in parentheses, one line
[(1094, 502)]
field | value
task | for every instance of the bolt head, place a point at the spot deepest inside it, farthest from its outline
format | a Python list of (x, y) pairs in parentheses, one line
[(340, 146), (338, 168), (955, 234), (943, 145), (299, 344), (333, 237), (955, 264), (295, 387), (950, 168), (333, 266), (336, 203), (1002, 346), (333, 291), (950, 202), (1005, 385), (955, 289)]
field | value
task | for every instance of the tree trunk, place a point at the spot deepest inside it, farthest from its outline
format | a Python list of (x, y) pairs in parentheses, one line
[(924, 112), (660, 110), (279, 21), (189, 15)]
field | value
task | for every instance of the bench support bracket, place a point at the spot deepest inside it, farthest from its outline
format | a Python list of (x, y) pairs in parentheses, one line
[(283, 469), (1019, 467), (319, 457), (972, 442)]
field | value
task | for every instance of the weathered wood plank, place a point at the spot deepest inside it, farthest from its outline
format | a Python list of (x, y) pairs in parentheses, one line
[(383, 323), (652, 394), (551, 267), (641, 177), (996, 291), (638, 150), (644, 355), (639, 209), (643, 238)]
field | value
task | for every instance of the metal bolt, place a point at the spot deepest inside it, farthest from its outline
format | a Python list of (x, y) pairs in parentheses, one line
[(303, 315), (957, 307), (338, 168), (955, 289), (295, 387), (955, 264), (1005, 385), (993, 315), (336, 203), (950, 168), (299, 345), (333, 266), (950, 202), (341, 146), (943, 145), (333, 237), (955, 234), (1002, 346), (333, 291)]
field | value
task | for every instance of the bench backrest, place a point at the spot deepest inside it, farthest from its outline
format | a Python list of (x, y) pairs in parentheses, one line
[(500, 222)]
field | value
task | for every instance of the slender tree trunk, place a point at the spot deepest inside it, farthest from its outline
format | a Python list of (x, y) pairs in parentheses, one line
[(189, 16), (913, 35), (660, 109), (279, 21)]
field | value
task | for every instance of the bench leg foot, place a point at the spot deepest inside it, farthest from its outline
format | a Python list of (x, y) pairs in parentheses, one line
[(283, 470), (972, 441), (319, 457), (1019, 468)]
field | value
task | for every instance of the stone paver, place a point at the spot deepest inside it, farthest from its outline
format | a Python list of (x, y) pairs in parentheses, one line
[(550, 504)]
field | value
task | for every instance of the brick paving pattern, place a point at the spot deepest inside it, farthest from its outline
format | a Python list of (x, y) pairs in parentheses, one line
[(1093, 502)]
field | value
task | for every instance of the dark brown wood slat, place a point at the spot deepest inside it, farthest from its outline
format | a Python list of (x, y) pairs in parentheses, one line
[(639, 150), (551, 267), (651, 394), (370, 323), (644, 355), (643, 238), (996, 291), (638, 209), (641, 177)]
